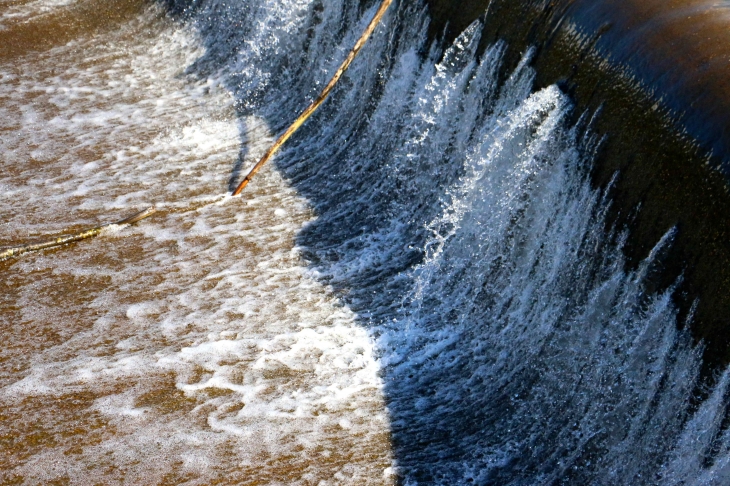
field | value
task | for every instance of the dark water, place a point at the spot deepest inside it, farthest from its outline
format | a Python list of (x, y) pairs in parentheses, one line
[(657, 72), (458, 217)]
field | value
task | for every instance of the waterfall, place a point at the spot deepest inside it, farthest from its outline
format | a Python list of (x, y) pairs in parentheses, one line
[(456, 216), (438, 280)]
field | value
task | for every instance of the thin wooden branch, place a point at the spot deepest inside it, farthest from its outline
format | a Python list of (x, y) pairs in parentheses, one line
[(15, 251), (6, 253), (316, 103)]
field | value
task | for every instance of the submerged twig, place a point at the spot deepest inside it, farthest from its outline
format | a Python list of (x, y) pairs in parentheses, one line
[(15, 251), (316, 103)]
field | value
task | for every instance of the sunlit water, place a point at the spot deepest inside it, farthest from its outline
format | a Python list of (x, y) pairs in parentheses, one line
[(422, 285), (196, 346)]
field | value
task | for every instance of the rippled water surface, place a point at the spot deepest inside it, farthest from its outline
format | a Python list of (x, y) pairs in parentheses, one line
[(196, 346), (422, 286)]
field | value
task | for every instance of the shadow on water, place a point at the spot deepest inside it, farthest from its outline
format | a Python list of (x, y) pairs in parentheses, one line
[(530, 332), (235, 178)]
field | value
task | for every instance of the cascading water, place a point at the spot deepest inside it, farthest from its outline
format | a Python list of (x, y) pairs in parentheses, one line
[(457, 216), (456, 221)]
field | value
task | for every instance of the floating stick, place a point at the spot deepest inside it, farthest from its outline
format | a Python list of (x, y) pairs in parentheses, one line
[(6, 253), (11, 252), (316, 103)]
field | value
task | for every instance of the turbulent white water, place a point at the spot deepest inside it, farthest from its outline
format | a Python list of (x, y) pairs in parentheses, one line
[(194, 348), (456, 297), (456, 217), (14, 11)]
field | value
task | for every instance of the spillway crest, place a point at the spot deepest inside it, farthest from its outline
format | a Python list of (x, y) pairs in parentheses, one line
[(441, 297)]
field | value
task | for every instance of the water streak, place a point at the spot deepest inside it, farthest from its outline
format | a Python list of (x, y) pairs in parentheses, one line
[(457, 217), (429, 242), (194, 348)]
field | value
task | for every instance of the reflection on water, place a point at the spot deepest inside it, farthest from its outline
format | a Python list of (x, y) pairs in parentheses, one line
[(195, 346), (677, 49)]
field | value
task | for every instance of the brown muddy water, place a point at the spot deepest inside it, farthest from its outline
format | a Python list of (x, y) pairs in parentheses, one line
[(195, 346)]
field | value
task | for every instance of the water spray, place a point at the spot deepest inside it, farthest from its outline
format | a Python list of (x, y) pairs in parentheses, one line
[(15, 251)]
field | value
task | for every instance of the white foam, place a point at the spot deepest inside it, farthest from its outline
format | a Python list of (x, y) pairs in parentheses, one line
[(25, 11), (518, 350), (211, 291)]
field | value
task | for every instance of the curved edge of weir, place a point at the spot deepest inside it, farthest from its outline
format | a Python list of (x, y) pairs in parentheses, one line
[(658, 74), (660, 165)]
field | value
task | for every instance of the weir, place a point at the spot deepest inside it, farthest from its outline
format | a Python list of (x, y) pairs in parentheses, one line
[(675, 51), (531, 318), (658, 73), (494, 256)]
